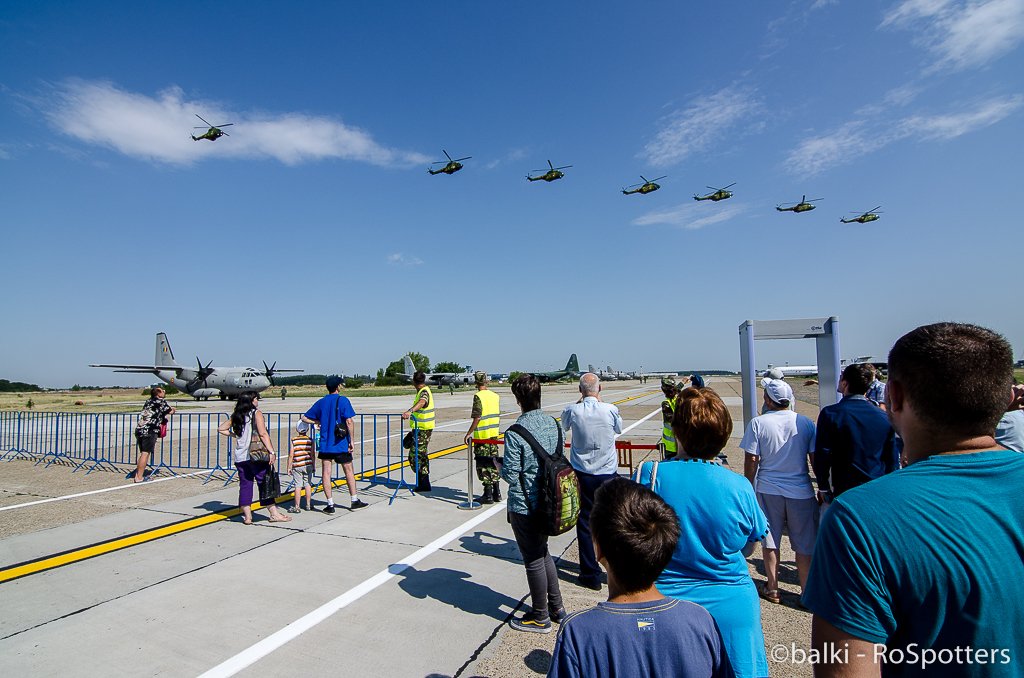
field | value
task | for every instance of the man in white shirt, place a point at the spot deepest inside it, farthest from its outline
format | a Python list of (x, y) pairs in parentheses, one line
[(777, 446), (594, 425)]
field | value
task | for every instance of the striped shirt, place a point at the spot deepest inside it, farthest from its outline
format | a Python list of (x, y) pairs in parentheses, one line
[(302, 451)]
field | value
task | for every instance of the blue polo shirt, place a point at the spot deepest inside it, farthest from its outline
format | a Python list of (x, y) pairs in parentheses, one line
[(933, 556), (855, 444), (323, 411)]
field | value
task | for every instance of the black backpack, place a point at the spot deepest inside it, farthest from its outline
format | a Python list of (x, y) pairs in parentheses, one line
[(558, 496)]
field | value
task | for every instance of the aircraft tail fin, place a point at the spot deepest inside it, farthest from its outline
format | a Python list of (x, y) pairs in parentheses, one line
[(573, 365), (164, 354), (590, 368), (410, 368)]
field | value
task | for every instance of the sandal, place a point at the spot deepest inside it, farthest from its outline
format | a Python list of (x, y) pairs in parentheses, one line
[(282, 519), (771, 595), (294, 509), (246, 522)]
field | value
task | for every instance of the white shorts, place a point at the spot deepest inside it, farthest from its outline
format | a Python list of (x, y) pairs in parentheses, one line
[(800, 516)]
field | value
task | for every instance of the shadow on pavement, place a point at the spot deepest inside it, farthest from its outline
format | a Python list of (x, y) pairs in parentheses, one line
[(494, 546), (453, 588)]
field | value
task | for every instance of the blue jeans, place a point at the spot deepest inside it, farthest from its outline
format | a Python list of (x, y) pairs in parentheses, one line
[(590, 569)]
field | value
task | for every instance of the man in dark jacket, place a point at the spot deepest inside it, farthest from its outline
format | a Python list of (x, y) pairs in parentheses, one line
[(855, 442)]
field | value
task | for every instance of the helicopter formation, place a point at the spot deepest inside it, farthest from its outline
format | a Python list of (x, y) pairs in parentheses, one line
[(453, 165)]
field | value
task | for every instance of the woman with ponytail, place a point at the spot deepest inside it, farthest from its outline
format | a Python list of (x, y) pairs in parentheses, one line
[(248, 428)]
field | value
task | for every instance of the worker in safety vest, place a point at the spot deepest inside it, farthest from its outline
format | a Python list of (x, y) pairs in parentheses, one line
[(422, 415), (486, 418), (668, 409)]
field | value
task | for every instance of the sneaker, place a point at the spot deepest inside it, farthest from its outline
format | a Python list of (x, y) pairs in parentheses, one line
[(529, 623), (557, 616), (294, 509), (329, 509), (358, 504)]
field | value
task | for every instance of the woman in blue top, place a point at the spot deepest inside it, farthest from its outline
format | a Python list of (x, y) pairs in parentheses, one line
[(720, 524)]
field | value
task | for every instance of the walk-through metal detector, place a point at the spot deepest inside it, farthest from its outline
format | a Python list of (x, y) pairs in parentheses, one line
[(824, 331)]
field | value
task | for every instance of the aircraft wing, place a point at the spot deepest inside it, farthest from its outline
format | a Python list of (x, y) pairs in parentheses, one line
[(144, 368)]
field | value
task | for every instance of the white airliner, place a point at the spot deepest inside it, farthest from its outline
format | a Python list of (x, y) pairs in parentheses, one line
[(811, 370), (203, 382)]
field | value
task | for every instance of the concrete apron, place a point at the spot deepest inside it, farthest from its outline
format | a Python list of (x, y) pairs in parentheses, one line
[(181, 605)]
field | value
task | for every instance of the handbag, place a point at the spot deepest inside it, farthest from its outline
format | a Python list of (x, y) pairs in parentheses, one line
[(340, 427), (270, 486), (163, 428), (257, 450)]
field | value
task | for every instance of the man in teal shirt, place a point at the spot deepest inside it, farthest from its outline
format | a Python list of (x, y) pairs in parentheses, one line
[(920, 571)]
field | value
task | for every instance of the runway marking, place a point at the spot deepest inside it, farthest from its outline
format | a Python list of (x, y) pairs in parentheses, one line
[(106, 489), (49, 562), (635, 424), (293, 630)]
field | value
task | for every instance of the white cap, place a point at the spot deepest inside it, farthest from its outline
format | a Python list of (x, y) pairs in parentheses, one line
[(301, 426), (777, 390)]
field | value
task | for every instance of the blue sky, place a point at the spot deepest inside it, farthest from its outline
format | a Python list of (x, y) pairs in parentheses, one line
[(313, 235)]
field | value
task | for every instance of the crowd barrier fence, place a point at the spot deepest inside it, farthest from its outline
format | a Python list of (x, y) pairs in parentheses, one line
[(107, 441)]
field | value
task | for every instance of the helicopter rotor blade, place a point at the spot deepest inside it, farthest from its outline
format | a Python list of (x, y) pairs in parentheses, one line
[(446, 155), (201, 118), (562, 167), (730, 185), (815, 200), (227, 124), (656, 179), (550, 165), (461, 159), (225, 134)]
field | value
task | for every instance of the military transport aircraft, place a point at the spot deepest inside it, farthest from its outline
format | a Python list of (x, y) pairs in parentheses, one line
[(572, 369), (203, 382), (438, 378)]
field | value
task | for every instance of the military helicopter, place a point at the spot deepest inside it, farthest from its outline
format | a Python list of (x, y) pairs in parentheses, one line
[(803, 206), (215, 132), (719, 193), (551, 174), (871, 215), (648, 186), (452, 167)]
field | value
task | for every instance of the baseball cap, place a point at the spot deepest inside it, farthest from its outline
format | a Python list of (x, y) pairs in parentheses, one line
[(777, 390), (480, 377), (333, 382), (775, 373), (301, 426)]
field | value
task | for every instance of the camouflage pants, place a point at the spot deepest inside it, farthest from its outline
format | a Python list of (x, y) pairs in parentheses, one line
[(423, 438), (486, 469)]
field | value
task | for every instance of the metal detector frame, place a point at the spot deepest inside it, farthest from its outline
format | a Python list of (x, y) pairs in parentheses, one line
[(824, 331)]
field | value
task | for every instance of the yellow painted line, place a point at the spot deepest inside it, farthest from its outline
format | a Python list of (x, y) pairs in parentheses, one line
[(50, 562)]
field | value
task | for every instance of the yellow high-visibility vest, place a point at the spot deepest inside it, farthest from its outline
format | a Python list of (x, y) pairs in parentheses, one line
[(424, 418), (668, 438), (490, 419)]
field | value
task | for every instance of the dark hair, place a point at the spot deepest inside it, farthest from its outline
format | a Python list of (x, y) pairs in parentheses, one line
[(956, 376), (243, 406), (419, 378), (859, 377), (637, 532), (526, 389), (701, 423)]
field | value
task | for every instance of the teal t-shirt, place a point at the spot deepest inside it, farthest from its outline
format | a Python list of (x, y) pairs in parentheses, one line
[(931, 555)]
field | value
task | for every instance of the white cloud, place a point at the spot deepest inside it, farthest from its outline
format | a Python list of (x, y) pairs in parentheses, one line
[(963, 34), (855, 139), (818, 4), (690, 215), (400, 259), (901, 96), (703, 122), (156, 128), (513, 155)]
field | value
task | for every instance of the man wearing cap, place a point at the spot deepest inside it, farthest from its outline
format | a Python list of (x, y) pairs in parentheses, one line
[(486, 418), (326, 413), (668, 408), (777, 445), (422, 415)]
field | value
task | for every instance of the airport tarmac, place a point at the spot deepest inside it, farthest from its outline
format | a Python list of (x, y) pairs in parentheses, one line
[(416, 587)]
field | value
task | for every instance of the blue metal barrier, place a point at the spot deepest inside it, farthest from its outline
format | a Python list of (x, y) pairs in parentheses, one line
[(107, 440)]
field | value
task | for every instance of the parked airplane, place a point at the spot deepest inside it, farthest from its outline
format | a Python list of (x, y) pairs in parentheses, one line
[(439, 378), (572, 369), (203, 382), (810, 370)]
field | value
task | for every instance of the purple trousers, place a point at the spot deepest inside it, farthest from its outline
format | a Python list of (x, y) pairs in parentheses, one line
[(249, 472)]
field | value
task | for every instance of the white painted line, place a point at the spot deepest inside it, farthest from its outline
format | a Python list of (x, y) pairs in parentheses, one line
[(108, 489), (261, 649)]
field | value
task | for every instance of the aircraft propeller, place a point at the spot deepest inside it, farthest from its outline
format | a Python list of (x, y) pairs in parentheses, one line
[(269, 371), (203, 372)]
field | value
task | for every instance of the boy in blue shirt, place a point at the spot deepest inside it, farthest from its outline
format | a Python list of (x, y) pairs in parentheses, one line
[(326, 413), (638, 632)]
